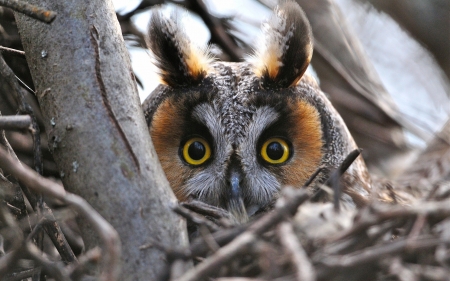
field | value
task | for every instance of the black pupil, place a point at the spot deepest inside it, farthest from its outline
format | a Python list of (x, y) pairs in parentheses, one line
[(275, 150), (196, 150)]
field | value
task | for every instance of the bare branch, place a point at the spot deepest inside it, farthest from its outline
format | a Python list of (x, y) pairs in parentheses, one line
[(110, 238), (195, 218), (12, 51), (29, 10), (303, 267), (6, 218), (242, 242), (18, 122)]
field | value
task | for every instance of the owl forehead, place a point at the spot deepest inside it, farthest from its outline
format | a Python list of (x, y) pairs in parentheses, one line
[(234, 86)]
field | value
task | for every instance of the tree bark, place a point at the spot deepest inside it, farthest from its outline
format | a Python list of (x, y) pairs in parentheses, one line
[(96, 128)]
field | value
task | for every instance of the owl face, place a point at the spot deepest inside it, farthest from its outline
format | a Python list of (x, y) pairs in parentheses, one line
[(233, 134)]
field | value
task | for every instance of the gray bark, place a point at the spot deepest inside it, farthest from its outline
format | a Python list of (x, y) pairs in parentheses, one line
[(96, 128)]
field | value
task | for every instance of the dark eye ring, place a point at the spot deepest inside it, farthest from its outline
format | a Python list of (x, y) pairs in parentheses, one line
[(196, 151), (275, 151)]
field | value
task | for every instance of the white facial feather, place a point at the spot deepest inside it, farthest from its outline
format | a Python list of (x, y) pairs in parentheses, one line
[(259, 184)]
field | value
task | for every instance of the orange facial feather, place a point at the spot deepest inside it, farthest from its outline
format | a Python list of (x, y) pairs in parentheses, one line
[(307, 142)]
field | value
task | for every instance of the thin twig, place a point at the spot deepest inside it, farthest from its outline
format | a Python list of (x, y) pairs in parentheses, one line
[(336, 174), (219, 34), (377, 252), (29, 10), (195, 218), (25, 86), (23, 275), (108, 235), (8, 74), (303, 268), (36, 201), (205, 209), (7, 219), (222, 256), (24, 108), (12, 51), (223, 237), (17, 200), (93, 256), (243, 241), (37, 228), (375, 214), (209, 240), (55, 269), (16, 122), (335, 181), (32, 220)]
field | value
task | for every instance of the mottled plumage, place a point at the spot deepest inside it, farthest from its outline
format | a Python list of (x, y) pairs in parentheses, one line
[(233, 134)]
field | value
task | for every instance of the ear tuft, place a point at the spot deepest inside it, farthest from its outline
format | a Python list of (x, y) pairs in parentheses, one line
[(286, 48), (180, 62)]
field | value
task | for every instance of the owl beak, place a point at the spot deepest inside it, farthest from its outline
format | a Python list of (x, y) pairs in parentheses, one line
[(236, 204)]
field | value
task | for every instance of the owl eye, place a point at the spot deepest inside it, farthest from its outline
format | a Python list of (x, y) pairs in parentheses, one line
[(275, 151), (196, 151)]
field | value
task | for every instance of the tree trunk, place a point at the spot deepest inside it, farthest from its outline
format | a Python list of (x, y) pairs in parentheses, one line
[(96, 128)]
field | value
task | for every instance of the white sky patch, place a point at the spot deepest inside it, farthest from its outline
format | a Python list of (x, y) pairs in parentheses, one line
[(124, 7)]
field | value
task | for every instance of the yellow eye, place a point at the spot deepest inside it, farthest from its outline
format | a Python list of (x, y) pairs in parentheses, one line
[(196, 151), (275, 151)]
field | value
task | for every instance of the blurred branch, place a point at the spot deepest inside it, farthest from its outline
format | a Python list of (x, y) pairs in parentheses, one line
[(29, 10), (432, 164), (241, 242), (303, 267), (7, 73), (109, 237), (20, 122), (25, 108), (12, 51), (219, 34), (7, 219), (356, 91), (44, 212), (427, 21)]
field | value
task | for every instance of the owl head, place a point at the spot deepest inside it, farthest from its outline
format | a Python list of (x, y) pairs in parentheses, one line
[(234, 134)]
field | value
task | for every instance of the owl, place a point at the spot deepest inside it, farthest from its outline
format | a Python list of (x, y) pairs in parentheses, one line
[(233, 135)]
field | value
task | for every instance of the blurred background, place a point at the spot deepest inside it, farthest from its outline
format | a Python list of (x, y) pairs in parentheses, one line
[(385, 65)]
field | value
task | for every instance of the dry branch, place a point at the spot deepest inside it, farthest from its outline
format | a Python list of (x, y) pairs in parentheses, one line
[(109, 236), (12, 51), (43, 213), (20, 122), (303, 267), (243, 241), (10, 258), (29, 10), (219, 33)]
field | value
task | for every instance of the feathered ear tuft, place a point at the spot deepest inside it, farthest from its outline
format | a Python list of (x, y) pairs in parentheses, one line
[(180, 62), (286, 49)]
